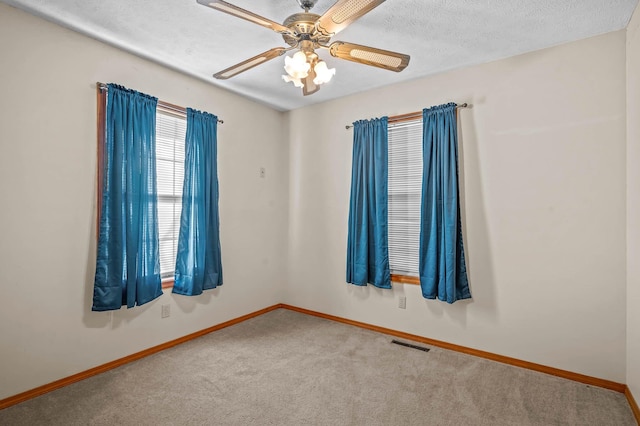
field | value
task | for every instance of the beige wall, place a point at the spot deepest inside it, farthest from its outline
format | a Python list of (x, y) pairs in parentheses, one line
[(542, 157), (47, 187), (633, 205)]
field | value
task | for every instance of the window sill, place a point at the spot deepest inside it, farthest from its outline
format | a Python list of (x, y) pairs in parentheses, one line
[(167, 284), (405, 279)]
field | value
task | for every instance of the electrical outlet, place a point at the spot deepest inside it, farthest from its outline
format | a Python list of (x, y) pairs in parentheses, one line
[(166, 311), (402, 302), (263, 172)]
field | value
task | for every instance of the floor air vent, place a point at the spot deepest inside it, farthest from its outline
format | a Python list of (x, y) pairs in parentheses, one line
[(409, 345)]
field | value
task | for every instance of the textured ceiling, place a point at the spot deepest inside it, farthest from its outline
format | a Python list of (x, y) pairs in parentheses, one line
[(438, 34)]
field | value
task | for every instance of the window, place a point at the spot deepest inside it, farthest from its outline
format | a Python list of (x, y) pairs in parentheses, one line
[(405, 192), (171, 131), (169, 161)]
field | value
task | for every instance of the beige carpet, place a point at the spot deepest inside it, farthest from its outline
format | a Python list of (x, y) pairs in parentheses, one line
[(286, 368)]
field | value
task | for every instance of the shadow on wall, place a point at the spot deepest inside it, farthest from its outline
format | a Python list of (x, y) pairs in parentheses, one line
[(366, 291), (188, 304), (475, 226), (89, 318)]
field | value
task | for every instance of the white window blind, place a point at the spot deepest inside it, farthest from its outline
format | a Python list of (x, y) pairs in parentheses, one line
[(170, 139), (405, 188)]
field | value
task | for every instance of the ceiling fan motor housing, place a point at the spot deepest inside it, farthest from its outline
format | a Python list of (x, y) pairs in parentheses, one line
[(303, 26)]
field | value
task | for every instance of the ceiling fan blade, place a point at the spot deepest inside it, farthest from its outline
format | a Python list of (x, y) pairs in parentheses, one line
[(385, 59), (344, 12), (250, 63), (310, 87), (225, 7)]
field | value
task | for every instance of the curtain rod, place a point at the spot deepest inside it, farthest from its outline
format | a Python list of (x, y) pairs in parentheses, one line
[(410, 116), (165, 105)]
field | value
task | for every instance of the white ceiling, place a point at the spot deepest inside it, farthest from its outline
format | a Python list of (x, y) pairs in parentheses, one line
[(439, 35)]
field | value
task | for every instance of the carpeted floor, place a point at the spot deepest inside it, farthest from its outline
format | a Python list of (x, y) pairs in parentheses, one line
[(286, 368)]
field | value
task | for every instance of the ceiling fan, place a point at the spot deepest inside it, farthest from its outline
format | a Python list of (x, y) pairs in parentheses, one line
[(307, 32)]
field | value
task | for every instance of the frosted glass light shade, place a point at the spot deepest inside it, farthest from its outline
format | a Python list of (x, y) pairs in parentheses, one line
[(297, 65), (323, 74)]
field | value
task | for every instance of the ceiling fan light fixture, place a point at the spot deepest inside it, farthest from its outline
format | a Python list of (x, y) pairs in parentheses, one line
[(323, 73), (297, 66), (307, 32)]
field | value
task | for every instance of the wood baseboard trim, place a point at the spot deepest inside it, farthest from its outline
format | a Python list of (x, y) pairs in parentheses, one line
[(632, 403), (593, 381), (40, 390)]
